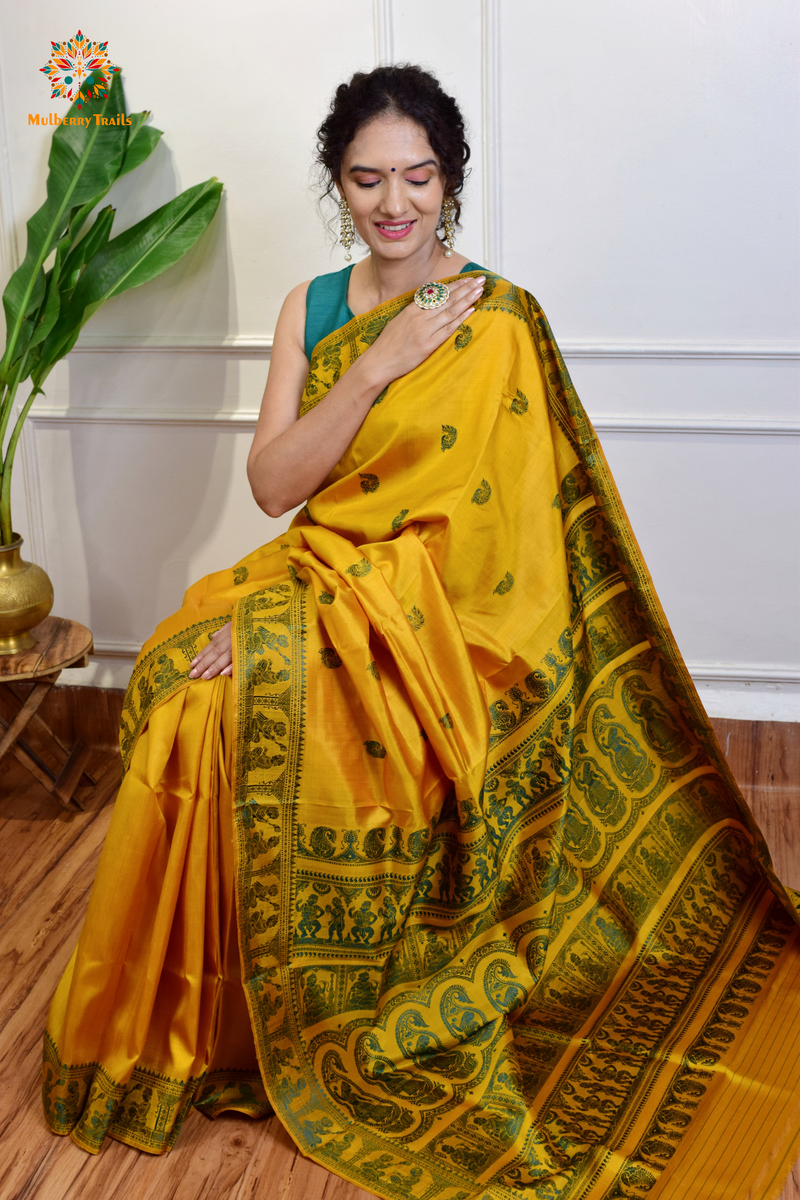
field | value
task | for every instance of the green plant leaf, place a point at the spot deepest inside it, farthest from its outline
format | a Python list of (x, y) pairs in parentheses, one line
[(48, 312), (57, 345), (146, 140), (37, 292), (84, 161), (86, 248), (137, 121), (28, 323), (151, 246), (141, 144), (78, 215), (131, 259), (130, 161)]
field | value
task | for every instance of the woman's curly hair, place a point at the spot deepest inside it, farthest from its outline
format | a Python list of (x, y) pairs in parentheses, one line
[(404, 90)]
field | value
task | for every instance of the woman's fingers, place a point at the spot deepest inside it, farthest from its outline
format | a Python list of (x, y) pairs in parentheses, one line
[(459, 317), (461, 293), (460, 304), (460, 301), (220, 665), (216, 658)]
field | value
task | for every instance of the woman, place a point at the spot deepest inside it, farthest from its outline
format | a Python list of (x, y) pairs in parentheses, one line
[(425, 840)]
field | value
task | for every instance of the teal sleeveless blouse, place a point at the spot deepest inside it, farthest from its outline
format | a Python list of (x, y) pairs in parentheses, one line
[(326, 304)]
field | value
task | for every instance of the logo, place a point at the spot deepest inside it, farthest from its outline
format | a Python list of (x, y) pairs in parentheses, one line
[(71, 64)]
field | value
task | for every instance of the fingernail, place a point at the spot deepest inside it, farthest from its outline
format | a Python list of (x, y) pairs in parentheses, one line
[(193, 663), (193, 674)]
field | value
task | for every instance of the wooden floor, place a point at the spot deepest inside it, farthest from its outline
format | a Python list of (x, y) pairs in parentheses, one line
[(47, 862)]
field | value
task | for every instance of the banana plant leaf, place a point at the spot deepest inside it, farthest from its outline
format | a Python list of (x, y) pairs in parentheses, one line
[(83, 250), (141, 143), (129, 260), (46, 309), (48, 313), (84, 161)]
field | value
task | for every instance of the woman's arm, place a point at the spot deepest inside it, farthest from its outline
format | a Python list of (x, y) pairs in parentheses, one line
[(291, 456)]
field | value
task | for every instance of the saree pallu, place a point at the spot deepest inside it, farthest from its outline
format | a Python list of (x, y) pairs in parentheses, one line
[(453, 875)]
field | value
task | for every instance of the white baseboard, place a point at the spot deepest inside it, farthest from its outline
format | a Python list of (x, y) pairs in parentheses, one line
[(102, 672), (750, 701)]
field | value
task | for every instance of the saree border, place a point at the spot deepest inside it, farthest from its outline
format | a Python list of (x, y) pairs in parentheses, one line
[(158, 674)]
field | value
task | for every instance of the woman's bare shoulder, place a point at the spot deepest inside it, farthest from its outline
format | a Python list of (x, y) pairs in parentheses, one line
[(296, 298), (292, 318)]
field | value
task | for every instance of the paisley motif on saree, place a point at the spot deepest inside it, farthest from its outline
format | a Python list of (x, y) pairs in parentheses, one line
[(505, 925)]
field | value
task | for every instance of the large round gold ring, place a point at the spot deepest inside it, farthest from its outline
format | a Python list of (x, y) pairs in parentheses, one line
[(432, 295)]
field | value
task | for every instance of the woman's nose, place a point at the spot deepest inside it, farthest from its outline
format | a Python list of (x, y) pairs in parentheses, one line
[(394, 200)]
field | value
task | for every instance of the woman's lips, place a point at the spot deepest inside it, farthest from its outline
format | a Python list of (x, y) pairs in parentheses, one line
[(394, 231)]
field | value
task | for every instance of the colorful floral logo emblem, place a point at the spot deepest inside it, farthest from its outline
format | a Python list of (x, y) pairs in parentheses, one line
[(70, 65)]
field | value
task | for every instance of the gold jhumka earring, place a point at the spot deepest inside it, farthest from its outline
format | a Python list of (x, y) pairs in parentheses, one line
[(347, 234), (448, 212)]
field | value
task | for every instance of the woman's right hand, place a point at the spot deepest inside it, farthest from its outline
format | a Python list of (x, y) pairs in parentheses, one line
[(410, 337), (216, 658)]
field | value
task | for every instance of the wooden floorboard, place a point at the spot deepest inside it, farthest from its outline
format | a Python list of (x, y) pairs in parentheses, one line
[(48, 858)]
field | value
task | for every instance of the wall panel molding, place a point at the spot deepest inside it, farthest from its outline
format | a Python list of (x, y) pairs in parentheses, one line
[(9, 251), (714, 673), (491, 135), (383, 19), (666, 423), (234, 346), (722, 673), (246, 419), (31, 474), (668, 351), (243, 346), (200, 418), (116, 648)]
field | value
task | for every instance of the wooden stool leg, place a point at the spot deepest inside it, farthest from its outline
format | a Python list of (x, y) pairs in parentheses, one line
[(40, 770), (34, 764), (38, 723), (64, 782), (70, 774), (35, 698)]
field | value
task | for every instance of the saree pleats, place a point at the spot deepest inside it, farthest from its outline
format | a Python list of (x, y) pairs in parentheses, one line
[(132, 1021), (454, 876)]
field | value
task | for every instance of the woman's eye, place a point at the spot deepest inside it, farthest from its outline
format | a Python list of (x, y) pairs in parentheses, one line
[(418, 182), (367, 183)]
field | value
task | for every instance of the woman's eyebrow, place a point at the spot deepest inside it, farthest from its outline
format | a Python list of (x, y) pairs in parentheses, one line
[(429, 162)]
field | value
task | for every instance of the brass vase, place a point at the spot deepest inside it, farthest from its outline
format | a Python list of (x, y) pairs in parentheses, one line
[(26, 597)]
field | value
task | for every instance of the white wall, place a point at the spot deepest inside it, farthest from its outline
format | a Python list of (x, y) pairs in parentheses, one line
[(635, 166)]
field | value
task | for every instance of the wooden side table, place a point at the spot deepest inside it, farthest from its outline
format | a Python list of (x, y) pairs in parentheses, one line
[(60, 644)]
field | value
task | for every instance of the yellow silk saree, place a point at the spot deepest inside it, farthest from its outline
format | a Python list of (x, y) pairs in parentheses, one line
[(452, 875)]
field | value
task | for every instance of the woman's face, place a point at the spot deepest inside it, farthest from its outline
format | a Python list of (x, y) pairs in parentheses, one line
[(393, 183)]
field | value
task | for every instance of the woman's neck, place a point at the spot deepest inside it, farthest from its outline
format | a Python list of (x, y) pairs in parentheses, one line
[(373, 281)]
